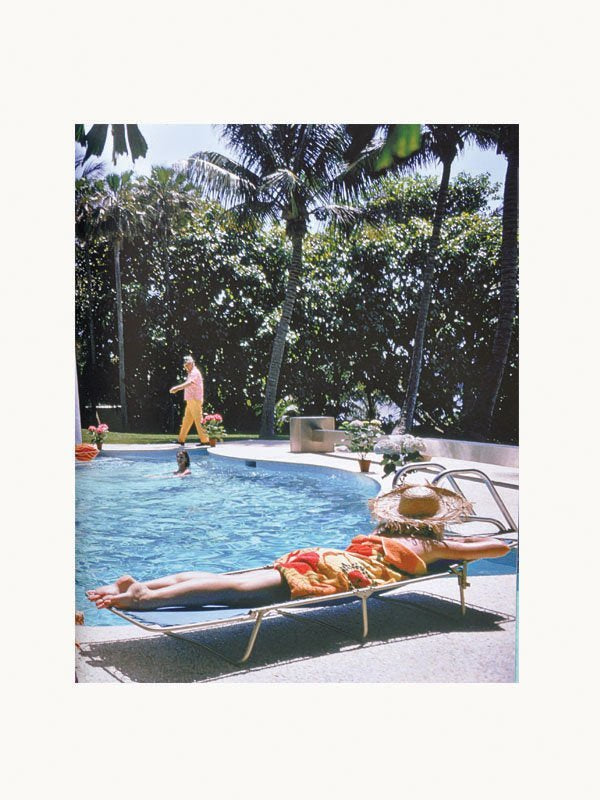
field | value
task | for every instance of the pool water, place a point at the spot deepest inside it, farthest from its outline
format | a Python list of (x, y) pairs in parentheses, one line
[(133, 517)]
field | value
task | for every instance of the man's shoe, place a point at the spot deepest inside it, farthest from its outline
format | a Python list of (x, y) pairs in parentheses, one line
[(203, 444), (176, 441)]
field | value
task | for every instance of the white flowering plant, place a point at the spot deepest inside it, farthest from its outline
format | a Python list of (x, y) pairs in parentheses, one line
[(362, 435), (399, 449)]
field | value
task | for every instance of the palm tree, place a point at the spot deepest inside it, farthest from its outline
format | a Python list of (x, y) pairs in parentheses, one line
[(478, 421), (284, 173), (170, 200), (86, 173), (441, 143), (115, 214), (437, 143)]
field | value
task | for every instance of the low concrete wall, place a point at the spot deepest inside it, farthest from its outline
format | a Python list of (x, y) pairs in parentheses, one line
[(505, 455)]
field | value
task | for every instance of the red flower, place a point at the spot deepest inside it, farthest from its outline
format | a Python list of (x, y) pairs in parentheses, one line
[(302, 562), (365, 549), (358, 579)]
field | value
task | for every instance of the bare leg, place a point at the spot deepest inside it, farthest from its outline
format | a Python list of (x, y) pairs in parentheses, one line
[(120, 585), (124, 582), (258, 587), (169, 580)]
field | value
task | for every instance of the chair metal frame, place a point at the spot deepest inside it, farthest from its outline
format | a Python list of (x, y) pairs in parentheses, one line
[(257, 615)]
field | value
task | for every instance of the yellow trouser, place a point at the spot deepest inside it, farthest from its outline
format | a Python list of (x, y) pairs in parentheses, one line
[(193, 415)]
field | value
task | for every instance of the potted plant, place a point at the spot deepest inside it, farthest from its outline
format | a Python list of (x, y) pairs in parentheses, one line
[(98, 434), (362, 435), (213, 425), (398, 450)]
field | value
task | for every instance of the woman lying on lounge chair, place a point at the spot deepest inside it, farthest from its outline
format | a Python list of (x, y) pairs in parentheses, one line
[(408, 538)]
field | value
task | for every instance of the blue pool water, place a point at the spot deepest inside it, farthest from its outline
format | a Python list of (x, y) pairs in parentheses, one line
[(133, 516)]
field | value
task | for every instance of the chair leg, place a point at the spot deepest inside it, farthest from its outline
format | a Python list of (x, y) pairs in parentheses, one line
[(463, 584), (365, 617), (252, 639), (234, 662), (338, 628)]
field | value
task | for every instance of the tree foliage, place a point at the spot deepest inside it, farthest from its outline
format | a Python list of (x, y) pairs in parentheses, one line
[(349, 345)]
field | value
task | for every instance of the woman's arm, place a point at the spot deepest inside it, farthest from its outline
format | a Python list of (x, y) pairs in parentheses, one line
[(468, 550)]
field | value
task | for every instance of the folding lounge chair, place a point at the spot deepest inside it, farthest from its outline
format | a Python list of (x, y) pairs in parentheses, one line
[(175, 621)]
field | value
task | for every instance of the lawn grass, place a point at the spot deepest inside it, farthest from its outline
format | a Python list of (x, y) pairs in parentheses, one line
[(115, 437)]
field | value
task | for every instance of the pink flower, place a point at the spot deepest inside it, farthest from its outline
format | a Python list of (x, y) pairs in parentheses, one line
[(217, 418), (102, 428), (92, 429)]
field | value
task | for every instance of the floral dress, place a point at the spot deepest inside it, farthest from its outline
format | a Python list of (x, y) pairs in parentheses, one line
[(367, 561)]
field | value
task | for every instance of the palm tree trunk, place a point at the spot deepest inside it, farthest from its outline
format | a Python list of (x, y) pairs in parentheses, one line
[(92, 338), (416, 363), (371, 405), (122, 396), (480, 422), (168, 322), (267, 422)]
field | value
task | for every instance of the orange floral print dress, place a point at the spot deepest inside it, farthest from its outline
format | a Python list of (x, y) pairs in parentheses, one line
[(367, 561)]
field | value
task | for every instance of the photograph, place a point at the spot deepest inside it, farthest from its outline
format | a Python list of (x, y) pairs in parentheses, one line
[(296, 403)]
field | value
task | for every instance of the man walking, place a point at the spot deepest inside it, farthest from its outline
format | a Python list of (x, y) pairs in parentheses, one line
[(193, 394)]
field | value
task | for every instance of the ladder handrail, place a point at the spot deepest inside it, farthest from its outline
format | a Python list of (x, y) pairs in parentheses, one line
[(413, 468), (450, 475)]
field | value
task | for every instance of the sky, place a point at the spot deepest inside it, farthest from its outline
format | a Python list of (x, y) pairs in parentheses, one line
[(168, 143)]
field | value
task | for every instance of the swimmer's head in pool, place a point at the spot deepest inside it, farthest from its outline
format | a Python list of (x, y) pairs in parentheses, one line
[(183, 459)]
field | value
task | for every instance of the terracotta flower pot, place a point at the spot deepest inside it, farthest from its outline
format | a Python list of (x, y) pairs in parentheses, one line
[(85, 451), (212, 441), (364, 464), (99, 445)]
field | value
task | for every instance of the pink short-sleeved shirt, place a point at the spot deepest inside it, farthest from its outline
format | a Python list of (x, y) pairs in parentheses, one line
[(196, 390)]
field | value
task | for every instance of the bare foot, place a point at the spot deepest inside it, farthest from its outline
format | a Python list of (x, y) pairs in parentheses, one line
[(120, 585), (137, 595)]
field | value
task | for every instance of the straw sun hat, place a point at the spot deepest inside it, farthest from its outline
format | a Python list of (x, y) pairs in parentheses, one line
[(418, 507)]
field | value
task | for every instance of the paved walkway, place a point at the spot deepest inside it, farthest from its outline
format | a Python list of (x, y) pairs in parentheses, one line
[(418, 635)]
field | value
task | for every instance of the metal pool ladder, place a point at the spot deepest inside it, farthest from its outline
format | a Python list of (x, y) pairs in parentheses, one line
[(508, 526)]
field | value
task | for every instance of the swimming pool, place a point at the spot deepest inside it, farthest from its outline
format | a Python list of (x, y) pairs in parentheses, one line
[(132, 516)]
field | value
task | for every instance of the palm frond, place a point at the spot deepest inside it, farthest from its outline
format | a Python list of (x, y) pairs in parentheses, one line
[(253, 146), (356, 177), (338, 212), (323, 151), (361, 136), (91, 169), (282, 183), (258, 212), (219, 178)]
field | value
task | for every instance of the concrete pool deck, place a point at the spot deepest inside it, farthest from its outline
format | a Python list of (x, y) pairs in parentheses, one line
[(418, 636)]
